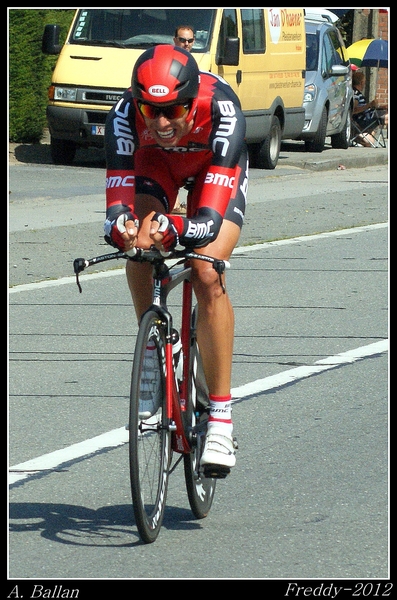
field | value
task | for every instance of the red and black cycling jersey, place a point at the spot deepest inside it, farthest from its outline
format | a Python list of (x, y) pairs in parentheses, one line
[(214, 153)]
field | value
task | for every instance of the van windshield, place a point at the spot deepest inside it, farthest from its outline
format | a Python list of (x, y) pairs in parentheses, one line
[(140, 27)]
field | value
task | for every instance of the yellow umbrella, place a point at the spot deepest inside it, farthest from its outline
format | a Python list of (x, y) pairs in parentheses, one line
[(369, 53)]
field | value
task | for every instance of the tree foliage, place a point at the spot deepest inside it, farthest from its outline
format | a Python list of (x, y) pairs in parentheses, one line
[(30, 70)]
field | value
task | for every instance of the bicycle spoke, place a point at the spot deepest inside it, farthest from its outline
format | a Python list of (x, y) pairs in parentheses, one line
[(149, 436)]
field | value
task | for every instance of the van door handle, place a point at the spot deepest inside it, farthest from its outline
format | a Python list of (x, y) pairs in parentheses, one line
[(239, 76)]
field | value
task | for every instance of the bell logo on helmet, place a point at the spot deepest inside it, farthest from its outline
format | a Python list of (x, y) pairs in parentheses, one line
[(158, 90)]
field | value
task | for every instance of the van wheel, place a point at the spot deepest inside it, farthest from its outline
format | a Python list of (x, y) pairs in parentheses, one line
[(342, 139), (269, 149), (318, 142), (62, 151)]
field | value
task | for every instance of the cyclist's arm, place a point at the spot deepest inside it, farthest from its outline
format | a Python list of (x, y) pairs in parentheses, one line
[(120, 143)]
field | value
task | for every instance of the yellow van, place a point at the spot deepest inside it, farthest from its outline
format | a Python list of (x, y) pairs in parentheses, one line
[(260, 52)]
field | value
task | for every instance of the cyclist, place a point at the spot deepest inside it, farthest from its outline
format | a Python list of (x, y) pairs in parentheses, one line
[(178, 127)]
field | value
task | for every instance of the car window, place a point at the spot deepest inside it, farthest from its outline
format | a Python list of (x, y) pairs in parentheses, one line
[(228, 27), (338, 53), (253, 30), (327, 59), (341, 49), (311, 52)]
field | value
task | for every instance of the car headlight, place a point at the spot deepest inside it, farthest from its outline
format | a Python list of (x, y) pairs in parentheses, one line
[(62, 93), (310, 93)]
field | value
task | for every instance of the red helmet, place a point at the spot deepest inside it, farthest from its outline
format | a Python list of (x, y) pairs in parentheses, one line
[(164, 74)]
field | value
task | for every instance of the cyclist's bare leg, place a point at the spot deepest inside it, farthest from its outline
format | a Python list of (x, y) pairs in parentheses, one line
[(139, 276), (215, 324), (215, 335)]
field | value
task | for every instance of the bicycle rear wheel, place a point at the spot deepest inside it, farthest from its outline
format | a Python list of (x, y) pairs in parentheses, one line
[(200, 489), (149, 439)]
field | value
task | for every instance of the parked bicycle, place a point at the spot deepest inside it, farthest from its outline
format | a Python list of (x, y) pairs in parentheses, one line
[(178, 423)]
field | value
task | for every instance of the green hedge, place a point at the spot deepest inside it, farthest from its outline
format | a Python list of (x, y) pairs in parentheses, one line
[(30, 70)]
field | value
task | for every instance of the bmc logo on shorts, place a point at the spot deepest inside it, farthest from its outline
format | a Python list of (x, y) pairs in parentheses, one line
[(158, 90)]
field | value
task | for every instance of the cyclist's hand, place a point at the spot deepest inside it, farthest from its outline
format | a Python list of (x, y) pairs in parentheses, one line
[(122, 232), (163, 232)]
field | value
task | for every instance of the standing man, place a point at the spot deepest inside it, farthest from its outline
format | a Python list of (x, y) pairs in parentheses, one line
[(177, 126), (184, 37)]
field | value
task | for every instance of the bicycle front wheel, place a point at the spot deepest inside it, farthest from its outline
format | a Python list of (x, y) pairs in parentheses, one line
[(200, 489), (149, 435)]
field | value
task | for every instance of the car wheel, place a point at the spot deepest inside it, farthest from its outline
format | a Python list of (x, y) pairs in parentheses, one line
[(317, 143), (342, 139), (62, 151), (269, 149)]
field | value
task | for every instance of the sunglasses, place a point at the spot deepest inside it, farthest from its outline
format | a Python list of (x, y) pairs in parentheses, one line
[(175, 111), (184, 40)]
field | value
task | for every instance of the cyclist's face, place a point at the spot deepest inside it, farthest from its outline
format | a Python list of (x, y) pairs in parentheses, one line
[(168, 131)]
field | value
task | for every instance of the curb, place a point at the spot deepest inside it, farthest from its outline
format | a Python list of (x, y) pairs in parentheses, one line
[(342, 162), (293, 154)]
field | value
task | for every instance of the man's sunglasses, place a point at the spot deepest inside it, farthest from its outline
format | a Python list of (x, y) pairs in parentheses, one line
[(184, 40), (174, 111)]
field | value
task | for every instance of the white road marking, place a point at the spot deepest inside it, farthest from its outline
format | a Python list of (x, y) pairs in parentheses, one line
[(118, 437), (240, 249)]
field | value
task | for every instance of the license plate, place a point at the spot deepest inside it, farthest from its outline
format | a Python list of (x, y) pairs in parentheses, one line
[(98, 130)]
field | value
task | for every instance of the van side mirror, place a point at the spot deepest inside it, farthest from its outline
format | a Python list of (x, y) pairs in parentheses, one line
[(229, 54), (50, 40)]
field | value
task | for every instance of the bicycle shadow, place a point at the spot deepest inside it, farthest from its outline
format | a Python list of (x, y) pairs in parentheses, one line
[(108, 526)]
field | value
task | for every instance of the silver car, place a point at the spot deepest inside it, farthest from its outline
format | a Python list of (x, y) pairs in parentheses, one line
[(328, 97)]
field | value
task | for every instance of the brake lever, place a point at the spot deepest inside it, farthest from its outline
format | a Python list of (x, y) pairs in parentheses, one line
[(220, 266), (79, 264)]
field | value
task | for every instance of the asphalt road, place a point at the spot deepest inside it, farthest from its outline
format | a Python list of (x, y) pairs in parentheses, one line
[(308, 498)]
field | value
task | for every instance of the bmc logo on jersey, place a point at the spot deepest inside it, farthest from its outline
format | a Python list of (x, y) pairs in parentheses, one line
[(158, 90), (226, 127), (220, 179)]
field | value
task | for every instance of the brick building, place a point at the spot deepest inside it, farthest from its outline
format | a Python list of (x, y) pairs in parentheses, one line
[(374, 23), (382, 90)]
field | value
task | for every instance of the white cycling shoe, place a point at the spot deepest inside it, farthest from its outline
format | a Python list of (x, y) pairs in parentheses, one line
[(150, 394), (219, 454)]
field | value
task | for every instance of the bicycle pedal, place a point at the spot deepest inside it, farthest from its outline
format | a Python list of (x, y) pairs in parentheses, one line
[(215, 471), (235, 443)]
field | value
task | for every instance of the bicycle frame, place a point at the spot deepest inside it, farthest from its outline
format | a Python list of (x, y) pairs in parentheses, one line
[(163, 282)]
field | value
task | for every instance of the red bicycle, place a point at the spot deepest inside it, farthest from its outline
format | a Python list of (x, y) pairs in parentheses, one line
[(176, 430)]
